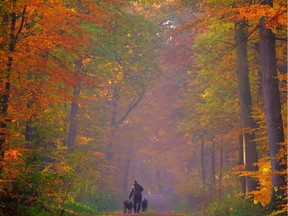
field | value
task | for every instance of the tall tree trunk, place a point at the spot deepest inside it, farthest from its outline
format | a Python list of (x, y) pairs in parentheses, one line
[(73, 112), (73, 120), (5, 97), (247, 122), (113, 120), (4, 100), (272, 106), (29, 130), (213, 166), (126, 174), (159, 180), (221, 170), (191, 162), (114, 105), (202, 158)]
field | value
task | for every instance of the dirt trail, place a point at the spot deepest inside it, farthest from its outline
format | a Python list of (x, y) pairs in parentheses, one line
[(157, 206), (157, 203)]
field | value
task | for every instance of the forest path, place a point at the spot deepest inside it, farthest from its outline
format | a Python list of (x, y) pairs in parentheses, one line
[(157, 202), (157, 206)]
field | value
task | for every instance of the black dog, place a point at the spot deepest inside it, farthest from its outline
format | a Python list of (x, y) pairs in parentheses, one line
[(127, 206), (144, 205)]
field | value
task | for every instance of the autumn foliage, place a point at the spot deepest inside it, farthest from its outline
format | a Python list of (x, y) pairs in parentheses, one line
[(213, 106), (183, 95)]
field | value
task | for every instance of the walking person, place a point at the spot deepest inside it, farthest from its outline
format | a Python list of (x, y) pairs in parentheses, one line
[(136, 192)]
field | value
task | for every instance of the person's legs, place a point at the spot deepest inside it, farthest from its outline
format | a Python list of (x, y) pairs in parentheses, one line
[(139, 205), (138, 200), (134, 205)]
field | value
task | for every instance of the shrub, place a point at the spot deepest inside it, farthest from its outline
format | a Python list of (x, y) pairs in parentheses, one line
[(234, 206)]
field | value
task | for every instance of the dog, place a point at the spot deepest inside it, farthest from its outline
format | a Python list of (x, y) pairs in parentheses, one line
[(144, 205), (127, 206)]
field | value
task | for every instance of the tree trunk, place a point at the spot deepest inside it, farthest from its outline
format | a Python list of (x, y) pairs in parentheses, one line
[(73, 120), (272, 106), (73, 113), (113, 124), (242, 180), (202, 158), (159, 180), (221, 170), (4, 100), (191, 163), (126, 175), (247, 122), (29, 130), (213, 167)]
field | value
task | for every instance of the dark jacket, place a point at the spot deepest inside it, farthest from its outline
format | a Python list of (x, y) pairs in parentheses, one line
[(136, 190)]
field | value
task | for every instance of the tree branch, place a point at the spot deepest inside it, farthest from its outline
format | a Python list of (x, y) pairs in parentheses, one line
[(131, 106), (21, 25)]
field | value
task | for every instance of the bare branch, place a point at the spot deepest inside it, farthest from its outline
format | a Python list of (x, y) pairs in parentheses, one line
[(131, 106)]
